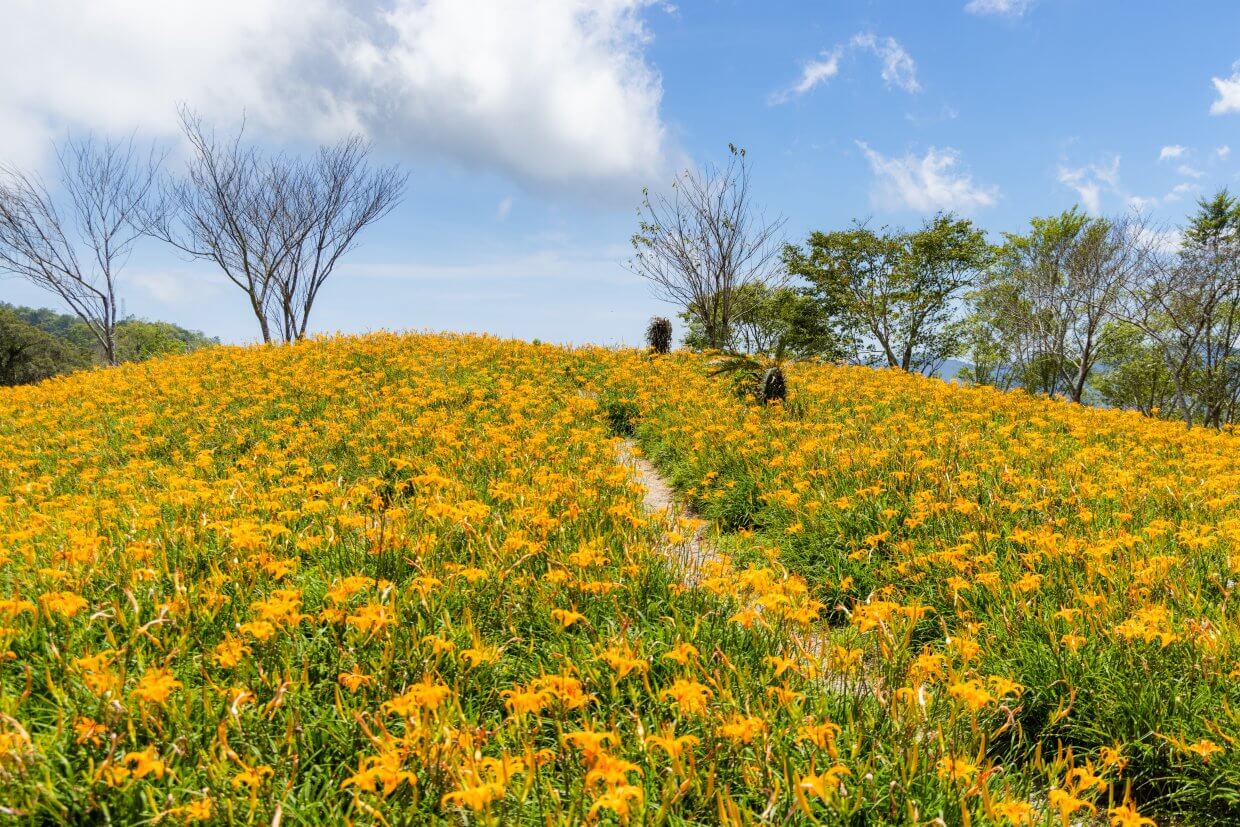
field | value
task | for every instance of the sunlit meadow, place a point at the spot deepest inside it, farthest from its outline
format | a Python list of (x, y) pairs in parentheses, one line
[(406, 579)]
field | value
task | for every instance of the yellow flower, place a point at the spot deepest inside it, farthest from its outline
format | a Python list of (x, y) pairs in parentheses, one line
[(951, 768), (155, 686), (682, 653), (610, 770), (229, 653), (619, 799), (251, 777), (673, 745), (1204, 749), (1126, 815), (1068, 803), (479, 654), (1017, 813), (144, 763), (87, 731), (622, 660), (591, 743), (742, 728), (971, 693), (566, 617), (380, 773), (689, 696), (371, 618), (65, 604), (194, 811), (427, 695), (476, 798), (355, 680), (826, 784), (524, 701)]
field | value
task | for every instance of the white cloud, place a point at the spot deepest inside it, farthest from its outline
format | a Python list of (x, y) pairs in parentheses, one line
[(1091, 181), (1164, 240), (1009, 8), (931, 182), (1228, 92), (505, 207), (1173, 151), (1179, 191), (550, 92), (898, 67), (120, 66), (175, 287), (1222, 152), (1190, 172), (812, 74)]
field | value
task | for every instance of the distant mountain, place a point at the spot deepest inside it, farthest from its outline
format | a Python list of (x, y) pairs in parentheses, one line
[(949, 369)]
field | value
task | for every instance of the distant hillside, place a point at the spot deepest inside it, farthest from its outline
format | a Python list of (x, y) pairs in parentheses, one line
[(37, 343)]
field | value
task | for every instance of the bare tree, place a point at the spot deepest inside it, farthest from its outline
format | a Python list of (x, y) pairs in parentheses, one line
[(79, 255), (699, 246), (275, 225), (225, 209), (330, 201), (1187, 304)]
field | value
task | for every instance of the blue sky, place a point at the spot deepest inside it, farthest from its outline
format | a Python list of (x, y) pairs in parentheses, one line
[(530, 127)]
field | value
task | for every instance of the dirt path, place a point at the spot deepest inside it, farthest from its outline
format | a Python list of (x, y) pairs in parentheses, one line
[(692, 556)]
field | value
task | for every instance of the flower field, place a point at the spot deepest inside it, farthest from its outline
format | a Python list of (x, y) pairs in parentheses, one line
[(405, 579), (1059, 576)]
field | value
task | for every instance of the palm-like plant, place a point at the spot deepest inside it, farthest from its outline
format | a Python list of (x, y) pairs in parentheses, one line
[(759, 376)]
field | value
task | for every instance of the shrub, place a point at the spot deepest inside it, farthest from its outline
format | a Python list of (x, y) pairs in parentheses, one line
[(659, 335)]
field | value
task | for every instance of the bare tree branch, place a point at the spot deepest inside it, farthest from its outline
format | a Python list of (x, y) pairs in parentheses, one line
[(276, 226), (700, 245), (79, 256)]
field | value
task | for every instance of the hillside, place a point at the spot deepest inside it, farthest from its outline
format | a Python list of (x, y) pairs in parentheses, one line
[(37, 343), (401, 579)]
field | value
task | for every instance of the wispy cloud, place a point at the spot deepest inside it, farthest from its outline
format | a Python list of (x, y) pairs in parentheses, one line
[(1173, 151), (505, 207), (898, 69), (1167, 240), (1222, 152), (1179, 191), (1001, 8), (813, 73), (1228, 92), (898, 66), (934, 181), (1091, 181)]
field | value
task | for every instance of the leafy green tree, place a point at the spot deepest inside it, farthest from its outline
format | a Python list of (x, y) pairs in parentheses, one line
[(1044, 306), (137, 340), (986, 344), (1188, 306), (28, 354), (1133, 373), (896, 291), (775, 315)]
